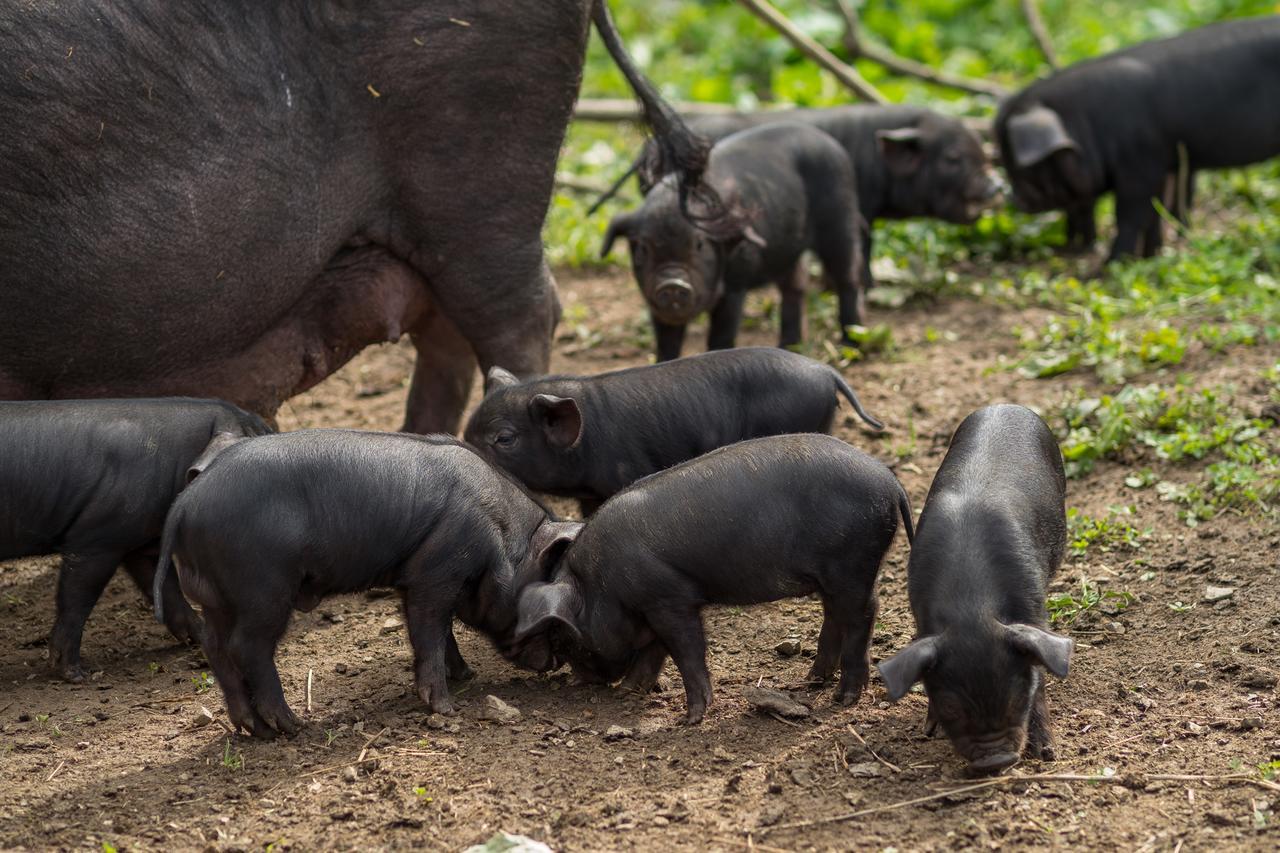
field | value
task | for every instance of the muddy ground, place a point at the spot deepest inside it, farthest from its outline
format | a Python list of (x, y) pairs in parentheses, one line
[(122, 761)]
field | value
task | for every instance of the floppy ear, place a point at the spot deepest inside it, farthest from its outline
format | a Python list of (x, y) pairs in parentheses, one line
[(498, 377), (1051, 650), (907, 666), (220, 442), (1036, 134), (559, 417), (901, 148), (550, 541), (619, 226), (543, 605)]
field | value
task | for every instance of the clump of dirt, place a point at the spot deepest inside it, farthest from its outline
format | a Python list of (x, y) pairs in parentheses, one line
[(1172, 698)]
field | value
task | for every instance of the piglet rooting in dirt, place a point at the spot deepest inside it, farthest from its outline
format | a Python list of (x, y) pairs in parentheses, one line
[(992, 534), (589, 437), (281, 522), (756, 521)]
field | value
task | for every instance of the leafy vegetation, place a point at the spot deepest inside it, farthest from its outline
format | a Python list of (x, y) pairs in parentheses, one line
[(1067, 608), (1113, 533)]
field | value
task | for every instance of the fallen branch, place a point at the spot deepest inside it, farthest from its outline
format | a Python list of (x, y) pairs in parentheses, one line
[(898, 64), (846, 74), (1035, 23), (619, 109)]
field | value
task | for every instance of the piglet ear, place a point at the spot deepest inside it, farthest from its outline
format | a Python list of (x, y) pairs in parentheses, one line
[(544, 605), (559, 417), (901, 148), (1037, 134), (220, 442), (619, 226), (550, 541), (498, 377), (907, 666), (1051, 650)]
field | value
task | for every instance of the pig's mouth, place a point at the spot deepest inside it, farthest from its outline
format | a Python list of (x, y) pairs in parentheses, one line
[(990, 754)]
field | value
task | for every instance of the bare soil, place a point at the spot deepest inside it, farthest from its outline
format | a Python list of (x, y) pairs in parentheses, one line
[(123, 761)]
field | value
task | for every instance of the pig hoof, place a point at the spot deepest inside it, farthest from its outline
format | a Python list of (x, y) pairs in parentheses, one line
[(72, 673), (692, 717), (1045, 753), (848, 697)]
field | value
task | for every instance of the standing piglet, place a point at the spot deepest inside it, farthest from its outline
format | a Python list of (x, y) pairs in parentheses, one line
[(992, 533), (92, 480), (792, 189), (589, 437), (281, 523), (756, 521), (1125, 122)]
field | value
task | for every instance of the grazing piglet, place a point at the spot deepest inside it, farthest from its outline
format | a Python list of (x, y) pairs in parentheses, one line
[(92, 480), (589, 437), (992, 533), (756, 521), (1124, 122), (792, 188), (280, 523)]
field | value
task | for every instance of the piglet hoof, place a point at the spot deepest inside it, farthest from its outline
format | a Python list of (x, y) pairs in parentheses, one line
[(281, 720), (693, 716), (71, 673), (187, 628), (437, 700), (848, 697)]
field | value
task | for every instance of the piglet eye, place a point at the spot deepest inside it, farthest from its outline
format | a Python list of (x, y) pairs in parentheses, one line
[(506, 438)]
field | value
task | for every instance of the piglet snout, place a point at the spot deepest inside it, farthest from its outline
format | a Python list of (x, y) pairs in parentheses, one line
[(673, 296), (993, 763)]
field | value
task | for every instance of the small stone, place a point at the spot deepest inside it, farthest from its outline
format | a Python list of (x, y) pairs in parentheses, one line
[(772, 814), (788, 648), (1250, 723), (617, 733), (435, 721), (500, 712), (1198, 684), (803, 776), (202, 718), (350, 774), (774, 701), (84, 744), (1218, 593), (335, 618), (391, 625), (1113, 628), (660, 821), (340, 668), (721, 754), (865, 770)]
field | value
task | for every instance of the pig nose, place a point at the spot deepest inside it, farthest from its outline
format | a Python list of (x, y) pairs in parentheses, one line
[(673, 294), (993, 762)]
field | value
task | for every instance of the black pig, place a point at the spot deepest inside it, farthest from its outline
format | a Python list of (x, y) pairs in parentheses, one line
[(793, 189), (588, 437), (282, 522), (992, 533), (756, 521), (1125, 122), (92, 480)]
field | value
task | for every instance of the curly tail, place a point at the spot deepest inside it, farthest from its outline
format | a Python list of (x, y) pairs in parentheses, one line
[(171, 524), (904, 507), (677, 148), (844, 388)]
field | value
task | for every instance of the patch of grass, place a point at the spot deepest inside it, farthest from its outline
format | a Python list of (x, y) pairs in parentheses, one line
[(1113, 533), (331, 735), (202, 682), (1068, 607), (231, 760)]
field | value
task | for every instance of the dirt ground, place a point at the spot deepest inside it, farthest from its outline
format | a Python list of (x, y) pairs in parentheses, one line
[(122, 761)]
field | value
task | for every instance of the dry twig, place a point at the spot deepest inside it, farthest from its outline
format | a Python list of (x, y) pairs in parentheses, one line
[(895, 768), (1035, 23)]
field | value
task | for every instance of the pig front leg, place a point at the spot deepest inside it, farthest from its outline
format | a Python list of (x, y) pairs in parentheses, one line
[(668, 340), (1039, 733), (430, 628), (680, 631), (725, 318), (443, 374), (1134, 212), (644, 672), (792, 288), (1082, 228)]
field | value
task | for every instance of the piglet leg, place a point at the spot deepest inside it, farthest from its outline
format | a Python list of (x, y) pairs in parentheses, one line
[(725, 317), (645, 671), (792, 287), (457, 667), (81, 580), (430, 629), (682, 635)]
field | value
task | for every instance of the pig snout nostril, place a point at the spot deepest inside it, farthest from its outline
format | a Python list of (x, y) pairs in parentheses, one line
[(673, 293), (993, 762)]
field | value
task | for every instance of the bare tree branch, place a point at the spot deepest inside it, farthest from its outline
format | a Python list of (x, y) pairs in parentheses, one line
[(846, 74), (1035, 23), (857, 47)]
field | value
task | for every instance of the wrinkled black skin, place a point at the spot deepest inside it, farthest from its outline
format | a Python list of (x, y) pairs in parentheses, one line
[(992, 534), (231, 198), (946, 177), (92, 480), (1215, 89), (757, 521), (281, 523), (642, 420), (793, 185)]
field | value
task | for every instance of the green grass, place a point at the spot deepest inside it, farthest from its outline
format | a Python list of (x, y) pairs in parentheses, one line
[(1067, 608), (1110, 534)]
